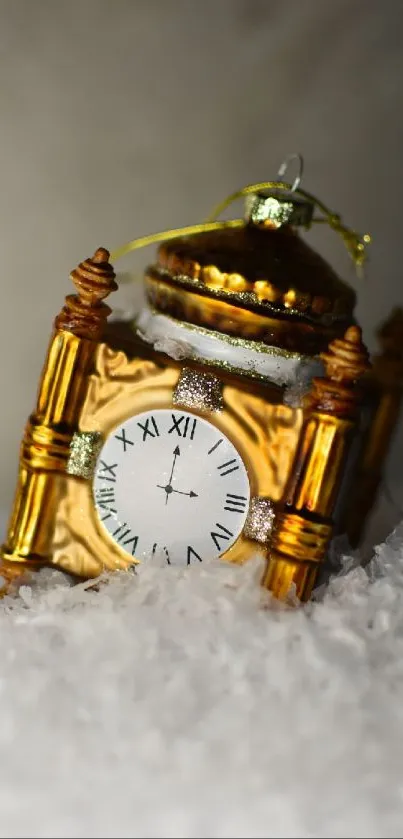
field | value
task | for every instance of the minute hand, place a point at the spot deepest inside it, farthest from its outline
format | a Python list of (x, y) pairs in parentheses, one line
[(176, 452)]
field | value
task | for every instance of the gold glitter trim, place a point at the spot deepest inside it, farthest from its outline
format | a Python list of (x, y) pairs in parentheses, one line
[(198, 390), (243, 343), (84, 450), (260, 519), (243, 298)]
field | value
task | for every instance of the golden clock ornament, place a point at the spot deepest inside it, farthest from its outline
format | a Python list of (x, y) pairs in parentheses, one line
[(233, 417)]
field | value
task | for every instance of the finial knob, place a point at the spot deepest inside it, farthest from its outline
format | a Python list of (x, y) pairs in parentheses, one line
[(84, 313), (346, 361), (94, 278)]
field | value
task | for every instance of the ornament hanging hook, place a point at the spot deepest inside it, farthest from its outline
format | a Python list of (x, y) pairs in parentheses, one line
[(285, 165), (355, 243)]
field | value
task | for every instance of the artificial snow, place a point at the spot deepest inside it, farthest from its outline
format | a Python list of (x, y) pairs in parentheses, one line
[(185, 703)]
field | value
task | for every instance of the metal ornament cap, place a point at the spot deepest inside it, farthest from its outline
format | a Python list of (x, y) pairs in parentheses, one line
[(275, 208)]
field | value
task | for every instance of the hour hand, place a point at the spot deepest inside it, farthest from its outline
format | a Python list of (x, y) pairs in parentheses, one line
[(191, 494), (169, 488)]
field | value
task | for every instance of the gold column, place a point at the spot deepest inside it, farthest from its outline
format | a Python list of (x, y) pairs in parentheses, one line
[(303, 526), (386, 393), (45, 447)]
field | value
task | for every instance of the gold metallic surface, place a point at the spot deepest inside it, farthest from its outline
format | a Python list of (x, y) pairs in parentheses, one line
[(264, 433), (385, 392), (300, 538), (278, 260), (84, 449), (55, 520), (215, 313), (295, 456), (286, 578), (45, 448), (199, 391), (303, 525)]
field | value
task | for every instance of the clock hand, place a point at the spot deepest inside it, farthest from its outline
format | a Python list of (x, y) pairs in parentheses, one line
[(168, 487), (191, 493), (176, 452)]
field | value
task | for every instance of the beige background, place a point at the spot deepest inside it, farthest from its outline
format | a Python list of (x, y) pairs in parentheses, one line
[(119, 118)]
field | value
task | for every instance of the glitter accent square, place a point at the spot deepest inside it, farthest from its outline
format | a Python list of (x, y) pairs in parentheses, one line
[(260, 519), (84, 450), (199, 391)]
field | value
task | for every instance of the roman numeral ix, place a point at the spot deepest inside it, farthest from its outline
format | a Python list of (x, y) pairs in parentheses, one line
[(224, 534), (235, 503), (182, 425)]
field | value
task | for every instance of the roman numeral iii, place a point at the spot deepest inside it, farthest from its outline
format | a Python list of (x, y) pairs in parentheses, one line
[(235, 503)]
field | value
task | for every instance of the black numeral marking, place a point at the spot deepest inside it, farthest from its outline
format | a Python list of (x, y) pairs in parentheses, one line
[(224, 534), (107, 473), (182, 425), (105, 499), (191, 553), (124, 440), (120, 535), (216, 445), (167, 558), (235, 503), (147, 431), (227, 467)]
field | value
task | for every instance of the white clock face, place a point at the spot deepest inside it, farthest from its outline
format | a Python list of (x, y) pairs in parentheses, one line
[(171, 486)]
